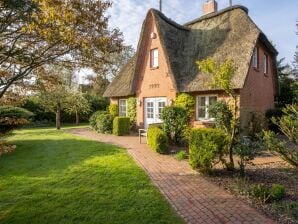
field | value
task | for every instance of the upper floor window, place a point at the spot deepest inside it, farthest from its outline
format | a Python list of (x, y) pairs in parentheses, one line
[(255, 58), (122, 108), (265, 64), (154, 58), (203, 104)]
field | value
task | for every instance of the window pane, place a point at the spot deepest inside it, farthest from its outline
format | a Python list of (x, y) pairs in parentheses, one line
[(202, 101), (212, 100), (202, 112), (150, 110), (161, 105)]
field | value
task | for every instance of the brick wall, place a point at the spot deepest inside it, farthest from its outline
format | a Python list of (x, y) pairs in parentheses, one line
[(259, 89)]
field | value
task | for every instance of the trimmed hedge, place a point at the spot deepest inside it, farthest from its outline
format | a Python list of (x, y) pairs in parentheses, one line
[(205, 146), (121, 126), (157, 139), (104, 123)]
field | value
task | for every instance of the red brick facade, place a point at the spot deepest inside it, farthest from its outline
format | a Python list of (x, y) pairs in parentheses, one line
[(257, 94)]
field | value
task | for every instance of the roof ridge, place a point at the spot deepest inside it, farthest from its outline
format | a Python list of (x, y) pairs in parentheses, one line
[(168, 20), (214, 14)]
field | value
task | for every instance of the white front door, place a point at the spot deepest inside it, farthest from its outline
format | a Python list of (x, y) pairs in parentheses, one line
[(153, 108)]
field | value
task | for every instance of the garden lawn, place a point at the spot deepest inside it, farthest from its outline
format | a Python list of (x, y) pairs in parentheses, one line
[(54, 177)]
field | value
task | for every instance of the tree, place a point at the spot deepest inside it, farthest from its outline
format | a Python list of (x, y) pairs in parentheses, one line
[(222, 75), (34, 33), (286, 83), (110, 70), (288, 124), (77, 104), (296, 54), (54, 86)]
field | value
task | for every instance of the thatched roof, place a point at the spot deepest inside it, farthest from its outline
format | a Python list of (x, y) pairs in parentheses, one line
[(229, 33), (122, 83)]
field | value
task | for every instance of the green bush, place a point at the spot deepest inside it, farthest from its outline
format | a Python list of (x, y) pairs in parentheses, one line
[(14, 112), (205, 147), (187, 102), (104, 123), (261, 192), (114, 110), (13, 117), (273, 113), (132, 110), (175, 121), (93, 118), (182, 155), (277, 191), (157, 140), (288, 125), (121, 126)]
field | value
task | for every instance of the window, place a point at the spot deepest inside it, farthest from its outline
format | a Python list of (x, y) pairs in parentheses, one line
[(203, 104), (122, 108), (255, 58), (154, 58), (265, 64)]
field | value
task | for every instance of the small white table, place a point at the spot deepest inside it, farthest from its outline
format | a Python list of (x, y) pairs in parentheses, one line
[(143, 133)]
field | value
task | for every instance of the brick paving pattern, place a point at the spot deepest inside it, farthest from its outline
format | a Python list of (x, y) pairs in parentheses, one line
[(193, 197)]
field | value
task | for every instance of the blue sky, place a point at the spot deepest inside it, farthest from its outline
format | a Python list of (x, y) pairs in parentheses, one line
[(275, 17)]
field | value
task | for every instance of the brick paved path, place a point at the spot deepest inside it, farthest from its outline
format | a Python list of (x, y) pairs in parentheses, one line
[(193, 197)]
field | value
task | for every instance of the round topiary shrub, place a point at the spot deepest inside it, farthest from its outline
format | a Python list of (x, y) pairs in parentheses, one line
[(104, 123), (93, 118)]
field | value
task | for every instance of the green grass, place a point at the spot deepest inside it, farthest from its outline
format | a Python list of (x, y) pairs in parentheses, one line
[(54, 177)]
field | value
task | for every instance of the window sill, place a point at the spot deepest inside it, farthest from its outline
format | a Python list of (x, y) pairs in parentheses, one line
[(154, 68), (266, 74), (257, 69), (205, 121)]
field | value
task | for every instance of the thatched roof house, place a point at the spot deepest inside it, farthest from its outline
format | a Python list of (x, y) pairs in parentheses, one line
[(229, 33)]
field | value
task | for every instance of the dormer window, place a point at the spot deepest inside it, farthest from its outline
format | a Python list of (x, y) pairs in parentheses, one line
[(154, 58), (255, 58), (265, 64)]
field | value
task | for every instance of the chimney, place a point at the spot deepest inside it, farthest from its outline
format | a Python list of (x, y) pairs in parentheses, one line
[(209, 7)]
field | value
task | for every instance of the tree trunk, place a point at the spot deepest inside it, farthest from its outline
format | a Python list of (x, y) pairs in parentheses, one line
[(58, 117), (231, 165), (77, 118)]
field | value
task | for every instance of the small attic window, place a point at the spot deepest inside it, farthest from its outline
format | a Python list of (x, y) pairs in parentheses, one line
[(255, 58), (154, 58)]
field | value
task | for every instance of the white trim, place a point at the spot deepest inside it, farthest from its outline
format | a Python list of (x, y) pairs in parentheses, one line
[(154, 58), (207, 105)]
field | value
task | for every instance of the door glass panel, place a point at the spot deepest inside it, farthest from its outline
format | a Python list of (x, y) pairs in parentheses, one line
[(150, 110), (161, 105)]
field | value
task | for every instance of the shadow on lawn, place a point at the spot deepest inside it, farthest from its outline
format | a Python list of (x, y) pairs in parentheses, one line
[(45, 156)]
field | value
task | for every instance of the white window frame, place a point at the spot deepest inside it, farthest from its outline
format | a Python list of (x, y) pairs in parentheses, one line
[(154, 58), (207, 118), (121, 112), (255, 58), (266, 63)]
